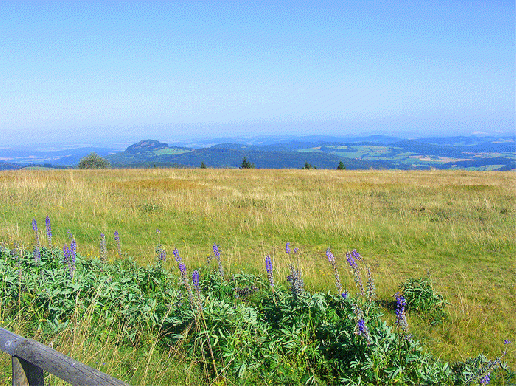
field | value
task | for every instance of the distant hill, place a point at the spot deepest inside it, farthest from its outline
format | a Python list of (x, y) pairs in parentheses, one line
[(279, 152), (372, 152)]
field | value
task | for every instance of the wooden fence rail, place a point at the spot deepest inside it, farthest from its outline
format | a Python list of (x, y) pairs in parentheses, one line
[(30, 358)]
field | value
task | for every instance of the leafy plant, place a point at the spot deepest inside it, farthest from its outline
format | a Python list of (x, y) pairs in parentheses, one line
[(421, 298)]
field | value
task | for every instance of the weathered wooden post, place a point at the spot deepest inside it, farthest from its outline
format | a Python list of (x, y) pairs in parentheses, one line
[(30, 358)]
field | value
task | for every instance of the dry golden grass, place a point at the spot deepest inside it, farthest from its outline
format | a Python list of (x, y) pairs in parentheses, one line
[(460, 226)]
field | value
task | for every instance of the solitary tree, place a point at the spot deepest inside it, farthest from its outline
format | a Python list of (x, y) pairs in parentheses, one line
[(246, 164), (203, 165), (93, 161), (341, 166)]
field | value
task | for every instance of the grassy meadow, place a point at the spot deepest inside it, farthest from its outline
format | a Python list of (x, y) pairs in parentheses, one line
[(459, 227)]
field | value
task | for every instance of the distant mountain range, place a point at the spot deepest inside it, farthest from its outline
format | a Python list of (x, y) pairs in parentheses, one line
[(322, 152)]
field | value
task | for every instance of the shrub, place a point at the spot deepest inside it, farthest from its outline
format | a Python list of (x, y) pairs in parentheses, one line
[(421, 298), (93, 161)]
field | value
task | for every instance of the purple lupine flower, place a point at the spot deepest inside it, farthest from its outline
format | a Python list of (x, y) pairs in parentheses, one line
[(296, 250), (485, 379), (297, 284), (49, 231), (287, 248), (216, 252), (162, 254), (268, 268), (182, 268), (195, 279), (356, 255), (401, 317), (331, 259), (117, 239), (351, 260), (345, 294), (66, 254), (71, 261), (73, 251), (361, 327), (175, 252), (356, 272), (330, 256), (506, 341)]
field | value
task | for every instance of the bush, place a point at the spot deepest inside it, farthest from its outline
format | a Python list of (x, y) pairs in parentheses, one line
[(93, 161), (421, 298)]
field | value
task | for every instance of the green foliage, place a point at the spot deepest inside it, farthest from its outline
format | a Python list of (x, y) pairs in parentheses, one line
[(309, 166), (246, 164), (93, 161), (421, 298), (341, 166), (236, 329), (203, 165)]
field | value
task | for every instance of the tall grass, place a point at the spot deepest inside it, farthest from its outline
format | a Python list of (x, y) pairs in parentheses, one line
[(457, 226)]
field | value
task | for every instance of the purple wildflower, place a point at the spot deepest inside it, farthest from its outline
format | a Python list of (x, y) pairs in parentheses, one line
[(296, 250), (345, 294), (356, 255), (195, 279), (175, 252), (361, 327), (182, 268), (351, 260), (71, 261), (331, 259), (34, 225), (73, 251), (506, 341), (216, 252), (287, 248), (296, 282), (401, 317), (117, 239), (49, 231), (356, 272), (485, 379), (162, 255), (330, 256), (268, 268), (66, 254)]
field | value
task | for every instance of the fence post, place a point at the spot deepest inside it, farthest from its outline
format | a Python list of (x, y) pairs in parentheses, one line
[(26, 374), (31, 358)]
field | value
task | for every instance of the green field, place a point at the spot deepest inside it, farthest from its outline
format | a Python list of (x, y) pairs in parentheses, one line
[(457, 226)]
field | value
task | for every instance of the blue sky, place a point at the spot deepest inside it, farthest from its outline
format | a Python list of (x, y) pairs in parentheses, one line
[(93, 72)]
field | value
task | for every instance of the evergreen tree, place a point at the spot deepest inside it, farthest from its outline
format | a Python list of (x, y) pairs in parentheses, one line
[(246, 164), (203, 165), (341, 166)]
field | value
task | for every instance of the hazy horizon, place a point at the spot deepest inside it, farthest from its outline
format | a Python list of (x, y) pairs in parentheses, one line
[(105, 72)]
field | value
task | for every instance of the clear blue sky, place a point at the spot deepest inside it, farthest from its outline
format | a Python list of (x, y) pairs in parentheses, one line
[(99, 71)]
